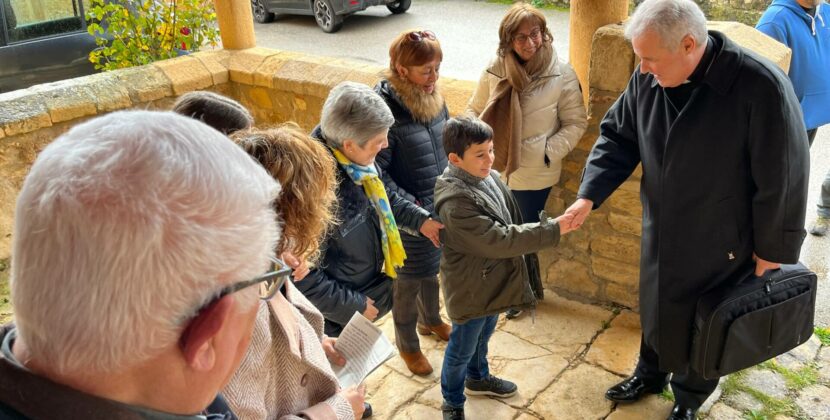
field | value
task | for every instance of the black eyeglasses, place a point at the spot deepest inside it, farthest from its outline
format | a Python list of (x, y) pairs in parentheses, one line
[(535, 34), (418, 36), (270, 282)]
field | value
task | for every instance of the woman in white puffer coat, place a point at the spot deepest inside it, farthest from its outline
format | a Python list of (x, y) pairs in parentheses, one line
[(534, 104)]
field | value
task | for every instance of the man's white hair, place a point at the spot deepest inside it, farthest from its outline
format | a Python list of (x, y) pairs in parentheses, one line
[(671, 20), (353, 111), (127, 225)]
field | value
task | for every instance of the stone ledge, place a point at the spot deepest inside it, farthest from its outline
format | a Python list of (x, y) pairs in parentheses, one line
[(185, 74), (243, 64), (145, 83), (216, 62), (23, 111), (756, 41)]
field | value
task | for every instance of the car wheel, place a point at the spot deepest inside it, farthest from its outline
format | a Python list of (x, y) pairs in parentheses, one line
[(399, 7), (261, 14), (325, 16)]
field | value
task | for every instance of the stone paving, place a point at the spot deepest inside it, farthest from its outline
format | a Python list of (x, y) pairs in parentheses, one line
[(565, 360)]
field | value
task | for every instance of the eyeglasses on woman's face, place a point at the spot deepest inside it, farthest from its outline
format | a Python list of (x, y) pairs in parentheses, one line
[(535, 35), (418, 36)]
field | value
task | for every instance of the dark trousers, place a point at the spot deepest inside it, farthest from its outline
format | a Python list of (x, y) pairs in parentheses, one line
[(531, 202), (690, 389), (416, 301)]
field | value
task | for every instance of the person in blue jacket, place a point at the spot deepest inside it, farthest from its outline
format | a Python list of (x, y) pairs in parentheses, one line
[(804, 26)]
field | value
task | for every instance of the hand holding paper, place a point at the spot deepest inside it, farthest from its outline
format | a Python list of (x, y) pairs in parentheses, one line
[(364, 347)]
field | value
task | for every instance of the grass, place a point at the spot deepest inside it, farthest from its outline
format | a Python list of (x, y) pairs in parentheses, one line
[(823, 334), (733, 384), (667, 394), (755, 415), (796, 379), (5, 299)]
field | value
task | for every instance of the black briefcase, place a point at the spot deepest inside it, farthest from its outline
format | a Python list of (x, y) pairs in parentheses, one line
[(756, 320)]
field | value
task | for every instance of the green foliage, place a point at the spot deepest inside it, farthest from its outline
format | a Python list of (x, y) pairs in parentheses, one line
[(667, 394), (796, 379), (136, 32), (755, 415), (772, 407), (823, 334)]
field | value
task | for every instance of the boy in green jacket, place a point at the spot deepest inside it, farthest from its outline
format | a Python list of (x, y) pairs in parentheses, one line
[(487, 261)]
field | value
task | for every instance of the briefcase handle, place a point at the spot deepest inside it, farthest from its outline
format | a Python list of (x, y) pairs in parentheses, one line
[(765, 277)]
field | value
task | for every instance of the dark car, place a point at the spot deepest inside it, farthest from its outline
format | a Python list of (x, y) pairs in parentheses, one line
[(43, 42), (329, 14)]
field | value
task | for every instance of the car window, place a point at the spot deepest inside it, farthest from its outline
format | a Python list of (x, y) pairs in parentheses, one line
[(31, 19)]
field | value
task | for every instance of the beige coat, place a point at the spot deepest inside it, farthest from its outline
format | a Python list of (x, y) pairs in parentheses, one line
[(285, 373), (553, 121)]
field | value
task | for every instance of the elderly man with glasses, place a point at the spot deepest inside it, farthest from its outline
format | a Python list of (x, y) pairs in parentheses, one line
[(140, 243)]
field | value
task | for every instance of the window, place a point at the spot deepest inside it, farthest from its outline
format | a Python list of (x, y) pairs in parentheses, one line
[(31, 19)]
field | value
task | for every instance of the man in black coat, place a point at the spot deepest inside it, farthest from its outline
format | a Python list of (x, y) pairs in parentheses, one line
[(720, 135)]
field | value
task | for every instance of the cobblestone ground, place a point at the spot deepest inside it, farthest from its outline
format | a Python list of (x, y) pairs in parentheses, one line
[(565, 360)]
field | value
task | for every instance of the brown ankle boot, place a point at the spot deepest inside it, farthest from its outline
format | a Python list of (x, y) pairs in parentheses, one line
[(417, 363), (442, 330)]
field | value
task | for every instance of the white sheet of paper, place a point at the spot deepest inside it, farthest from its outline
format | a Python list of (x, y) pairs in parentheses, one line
[(364, 347)]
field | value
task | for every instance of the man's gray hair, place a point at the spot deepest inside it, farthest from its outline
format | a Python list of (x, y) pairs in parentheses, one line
[(671, 20), (124, 227), (353, 111)]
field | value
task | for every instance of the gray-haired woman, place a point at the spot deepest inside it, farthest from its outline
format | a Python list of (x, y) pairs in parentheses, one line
[(359, 257)]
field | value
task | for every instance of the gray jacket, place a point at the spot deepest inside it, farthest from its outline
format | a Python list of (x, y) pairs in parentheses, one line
[(488, 259)]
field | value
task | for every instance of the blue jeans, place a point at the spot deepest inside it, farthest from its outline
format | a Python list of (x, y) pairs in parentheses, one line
[(466, 357)]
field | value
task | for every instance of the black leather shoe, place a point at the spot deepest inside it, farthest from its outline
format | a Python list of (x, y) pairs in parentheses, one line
[(631, 389), (681, 413)]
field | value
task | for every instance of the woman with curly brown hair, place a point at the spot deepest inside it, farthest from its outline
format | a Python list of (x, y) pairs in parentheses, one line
[(285, 373), (411, 163)]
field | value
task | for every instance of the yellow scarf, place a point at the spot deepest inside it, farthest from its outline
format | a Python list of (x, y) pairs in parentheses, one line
[(393, 252)]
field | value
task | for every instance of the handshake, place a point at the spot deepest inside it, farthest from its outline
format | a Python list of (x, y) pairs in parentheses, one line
[(574, 216)]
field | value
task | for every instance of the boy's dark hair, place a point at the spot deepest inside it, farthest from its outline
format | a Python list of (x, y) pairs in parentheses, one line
[(220, 112), (462, 132)]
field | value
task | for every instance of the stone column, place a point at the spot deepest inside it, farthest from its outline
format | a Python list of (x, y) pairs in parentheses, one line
[(236, 24), (586, 17)]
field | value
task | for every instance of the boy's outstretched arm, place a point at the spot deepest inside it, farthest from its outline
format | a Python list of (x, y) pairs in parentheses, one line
[(478, 234)]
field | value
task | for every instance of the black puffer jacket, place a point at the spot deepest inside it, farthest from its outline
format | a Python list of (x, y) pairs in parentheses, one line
[(411, 164), (351, 260)]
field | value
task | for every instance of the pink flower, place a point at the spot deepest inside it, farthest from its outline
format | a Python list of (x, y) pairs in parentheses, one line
[(185, 31)]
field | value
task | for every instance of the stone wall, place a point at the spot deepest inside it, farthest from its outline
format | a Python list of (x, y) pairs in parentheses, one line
[(277, 86), (598, 262)]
